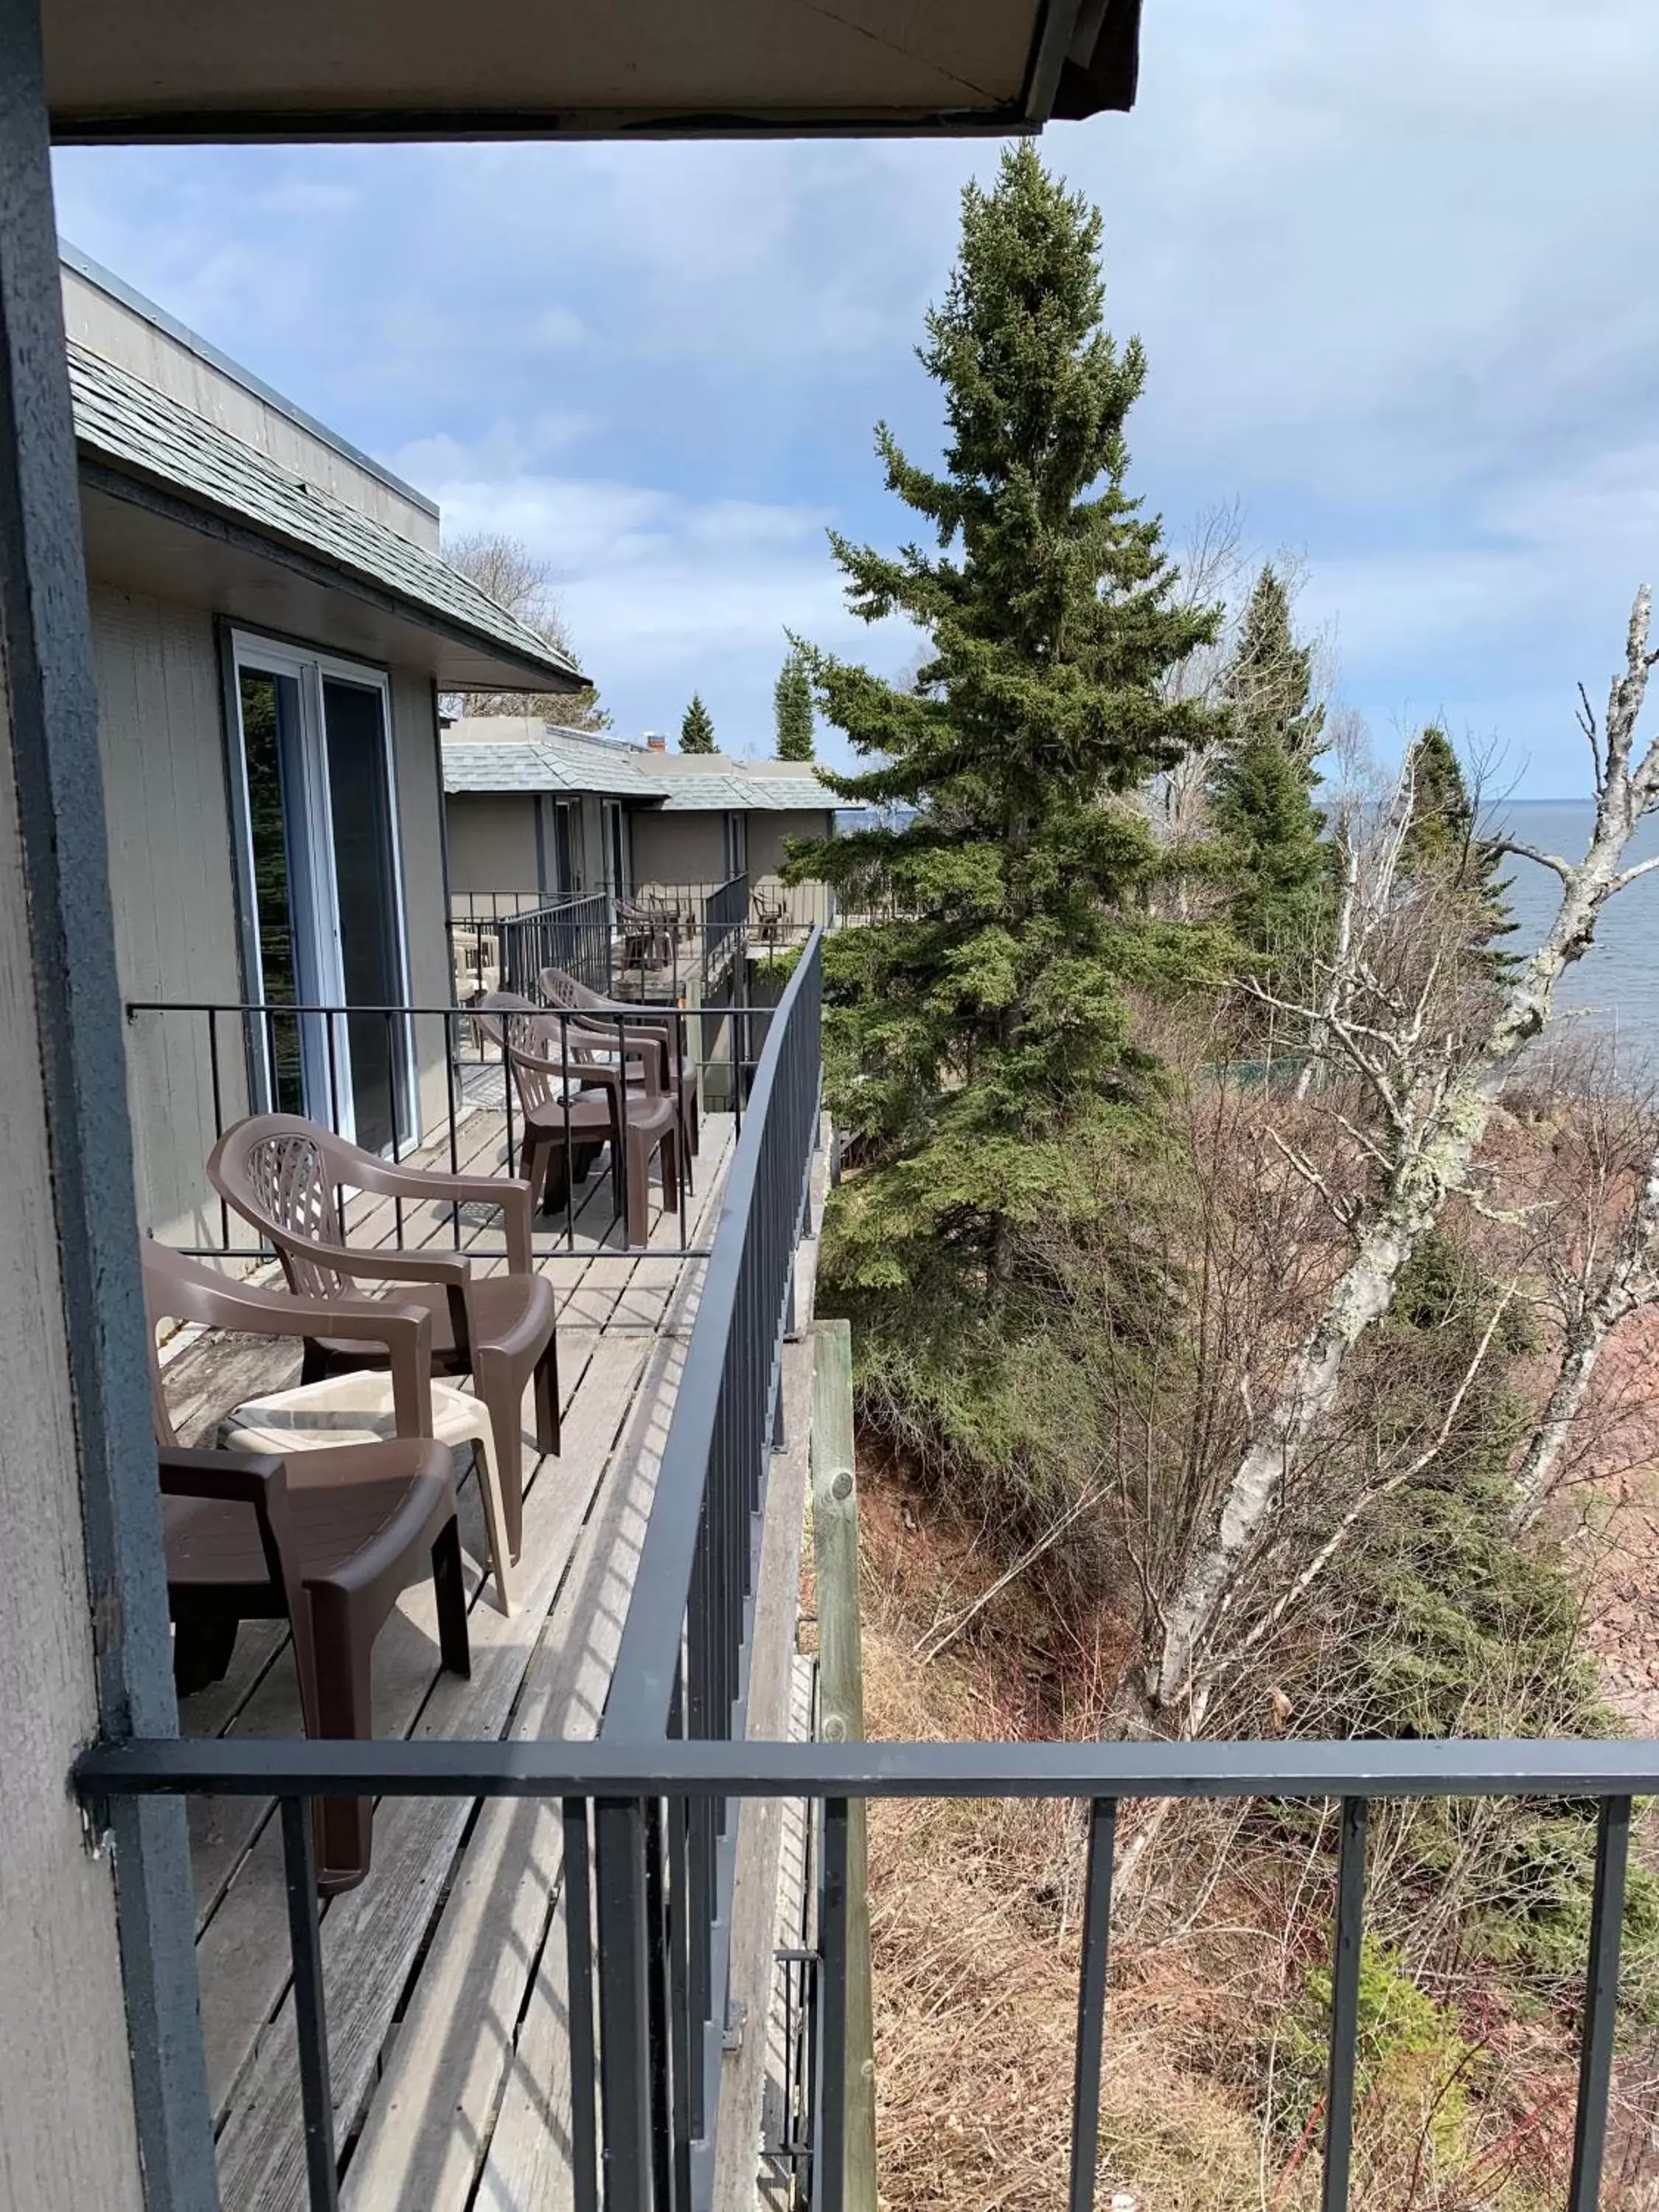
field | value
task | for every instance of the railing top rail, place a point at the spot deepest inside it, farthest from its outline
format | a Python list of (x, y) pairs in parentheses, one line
[(648, 1658), (613, 1013), (1447, 1767)]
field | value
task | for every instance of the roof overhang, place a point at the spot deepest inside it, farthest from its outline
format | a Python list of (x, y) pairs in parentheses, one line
[(176, 70), (143, 537)]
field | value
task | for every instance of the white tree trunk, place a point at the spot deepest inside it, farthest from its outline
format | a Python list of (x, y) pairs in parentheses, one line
[(1440, 1121), (1629, 1286)]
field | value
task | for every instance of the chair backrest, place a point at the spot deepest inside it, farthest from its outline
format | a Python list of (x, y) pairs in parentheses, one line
[(284, 1174), (540, 1051), (562, 990)]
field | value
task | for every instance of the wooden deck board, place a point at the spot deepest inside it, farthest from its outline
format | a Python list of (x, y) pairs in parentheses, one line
[(483, 1901)]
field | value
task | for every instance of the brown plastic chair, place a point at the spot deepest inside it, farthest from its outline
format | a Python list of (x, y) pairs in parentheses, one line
[(327, 1539), (572, 1089), (562, 991), (283, 1175)]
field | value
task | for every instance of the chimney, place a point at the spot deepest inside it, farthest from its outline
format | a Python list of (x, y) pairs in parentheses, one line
[(655, 741)]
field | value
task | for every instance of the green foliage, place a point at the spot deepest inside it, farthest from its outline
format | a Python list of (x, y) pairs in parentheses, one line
[(1409, 2049), (1440, 840), (697, 728), (1268, 827), (1452, 1628), (975, 1035), (791, 706)]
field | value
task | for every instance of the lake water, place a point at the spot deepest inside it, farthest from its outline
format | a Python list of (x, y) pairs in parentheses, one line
[(1616, 984)]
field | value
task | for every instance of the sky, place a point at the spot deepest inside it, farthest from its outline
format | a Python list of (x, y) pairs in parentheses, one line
[(1393, 268)]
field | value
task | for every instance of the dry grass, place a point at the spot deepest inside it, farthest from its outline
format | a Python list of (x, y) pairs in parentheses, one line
[(1212, 2092)]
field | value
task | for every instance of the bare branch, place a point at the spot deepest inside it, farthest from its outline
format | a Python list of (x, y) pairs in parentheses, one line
[(1522, 851)]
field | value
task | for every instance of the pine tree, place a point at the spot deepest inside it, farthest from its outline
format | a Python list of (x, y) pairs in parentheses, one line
[(697, 729), (791, 702), (1440, 839), (978, 1039), (1262, 792)]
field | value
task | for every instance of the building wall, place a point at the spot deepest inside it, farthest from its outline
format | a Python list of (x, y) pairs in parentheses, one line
[(768, 833), (172, 886), (160, 718), (677, 848), (67, 2131), (492, 842)]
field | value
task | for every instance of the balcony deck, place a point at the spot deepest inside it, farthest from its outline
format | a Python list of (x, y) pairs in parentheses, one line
[(444, 1969)]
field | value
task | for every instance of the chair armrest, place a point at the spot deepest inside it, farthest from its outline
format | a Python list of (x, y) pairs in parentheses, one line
[(255, 1478), (233, 1477)]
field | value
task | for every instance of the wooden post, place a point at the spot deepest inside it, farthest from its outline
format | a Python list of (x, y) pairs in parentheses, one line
[(841, 1717)]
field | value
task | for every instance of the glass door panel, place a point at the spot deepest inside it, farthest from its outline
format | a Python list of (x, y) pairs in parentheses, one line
[(270, 712), (365, 902)]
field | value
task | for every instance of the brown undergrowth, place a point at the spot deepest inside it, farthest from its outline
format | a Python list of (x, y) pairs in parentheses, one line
[(1213, 2092)]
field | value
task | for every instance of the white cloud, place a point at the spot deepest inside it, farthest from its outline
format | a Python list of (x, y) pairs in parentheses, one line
[(1390, 264)]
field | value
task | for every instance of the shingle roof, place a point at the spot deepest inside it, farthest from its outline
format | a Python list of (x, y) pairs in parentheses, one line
[(126, 422), (769, 795), (572, 760)]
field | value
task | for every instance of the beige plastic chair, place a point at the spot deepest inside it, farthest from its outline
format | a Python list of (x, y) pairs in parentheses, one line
[(357, 1408)]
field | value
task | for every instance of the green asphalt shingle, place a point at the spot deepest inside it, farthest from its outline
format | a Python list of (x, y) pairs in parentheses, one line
[(125, 422)]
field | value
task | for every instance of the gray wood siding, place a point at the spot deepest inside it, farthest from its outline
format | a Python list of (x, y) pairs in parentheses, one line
[(492, 841), (67, 2136), (768, 833), (678, 848), (176, 938)]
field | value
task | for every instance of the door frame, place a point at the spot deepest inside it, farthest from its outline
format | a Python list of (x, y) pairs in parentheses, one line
[(313, 886)]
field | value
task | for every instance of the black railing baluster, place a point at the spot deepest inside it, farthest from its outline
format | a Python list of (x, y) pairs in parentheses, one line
[(659, 1978), (452, 1058), (624, 2003), (1091, 2004), (310, 2023), (830, 2167), (1345, 2006), (219, 1112), (1600, 2004), (579, 1971)]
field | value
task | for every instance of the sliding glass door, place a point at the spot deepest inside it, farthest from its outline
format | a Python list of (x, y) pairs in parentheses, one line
[(323, 893)]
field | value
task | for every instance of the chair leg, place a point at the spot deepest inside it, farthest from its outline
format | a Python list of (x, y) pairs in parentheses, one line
[(202, 1645), (668, 1159), (639, 1189), (341, 1639), (449, 1589), (495, 1386), (546, 1380), (494, 1512)]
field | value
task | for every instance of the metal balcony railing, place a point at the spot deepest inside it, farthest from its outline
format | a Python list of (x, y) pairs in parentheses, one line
[(650, 1809), (633, 2070)]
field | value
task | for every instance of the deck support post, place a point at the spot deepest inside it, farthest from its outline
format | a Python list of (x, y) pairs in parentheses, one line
[(68, 1225)]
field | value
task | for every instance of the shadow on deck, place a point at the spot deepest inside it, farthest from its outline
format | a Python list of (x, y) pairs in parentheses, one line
[(444, 1970)]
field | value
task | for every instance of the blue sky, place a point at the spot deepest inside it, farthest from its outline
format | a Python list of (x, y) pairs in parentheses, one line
[(1392, 266)]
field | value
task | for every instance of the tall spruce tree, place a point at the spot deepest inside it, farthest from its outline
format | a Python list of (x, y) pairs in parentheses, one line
[(1269, 828), (792, 703), (1440, 839), (976, 1038), (697, 727)]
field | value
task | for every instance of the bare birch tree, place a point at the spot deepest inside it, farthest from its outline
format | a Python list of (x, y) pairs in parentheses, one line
[(506, 570), (1432, 1075), (1602, 1223)]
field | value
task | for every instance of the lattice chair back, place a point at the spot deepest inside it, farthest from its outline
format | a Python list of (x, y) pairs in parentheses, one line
[(283, 1175)]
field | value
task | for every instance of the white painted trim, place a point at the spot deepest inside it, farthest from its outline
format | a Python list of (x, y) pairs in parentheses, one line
[(313, 888)]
